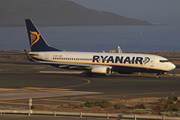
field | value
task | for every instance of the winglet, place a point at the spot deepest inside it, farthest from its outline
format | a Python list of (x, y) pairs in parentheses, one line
[(119, 49), (28, 56)]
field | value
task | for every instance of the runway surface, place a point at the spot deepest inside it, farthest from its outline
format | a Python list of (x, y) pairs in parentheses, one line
[(57, 89)]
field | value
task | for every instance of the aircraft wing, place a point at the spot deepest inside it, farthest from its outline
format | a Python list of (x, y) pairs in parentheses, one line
[(69, 65)]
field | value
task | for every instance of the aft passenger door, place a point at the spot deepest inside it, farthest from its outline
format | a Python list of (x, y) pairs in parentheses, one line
[(152, 62)]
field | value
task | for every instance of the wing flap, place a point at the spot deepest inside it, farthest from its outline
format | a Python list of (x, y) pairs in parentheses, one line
[(69, 65)]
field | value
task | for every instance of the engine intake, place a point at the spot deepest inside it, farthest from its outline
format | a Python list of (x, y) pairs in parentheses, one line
[(103, 70)]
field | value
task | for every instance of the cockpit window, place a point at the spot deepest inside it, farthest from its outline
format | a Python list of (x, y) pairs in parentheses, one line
[(163, 61)]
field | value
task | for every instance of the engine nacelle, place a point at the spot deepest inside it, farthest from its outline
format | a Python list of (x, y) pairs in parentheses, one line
[(103, 70)]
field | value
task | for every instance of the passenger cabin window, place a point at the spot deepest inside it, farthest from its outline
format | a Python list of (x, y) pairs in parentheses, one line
[(162, 61), (84, 59)]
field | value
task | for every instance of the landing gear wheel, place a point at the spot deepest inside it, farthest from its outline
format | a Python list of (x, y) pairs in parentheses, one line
[(157, 76)]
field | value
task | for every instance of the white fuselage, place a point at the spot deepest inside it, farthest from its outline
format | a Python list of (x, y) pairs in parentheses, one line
[(127, 62)]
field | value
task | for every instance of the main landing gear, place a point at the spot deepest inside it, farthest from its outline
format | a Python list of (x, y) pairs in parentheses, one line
[(88, 73)]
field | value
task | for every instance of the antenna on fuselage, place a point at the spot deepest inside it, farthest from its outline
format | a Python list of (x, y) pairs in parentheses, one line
[(119, 49)]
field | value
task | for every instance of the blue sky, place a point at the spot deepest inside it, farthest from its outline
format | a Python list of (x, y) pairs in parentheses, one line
[(154, 11)]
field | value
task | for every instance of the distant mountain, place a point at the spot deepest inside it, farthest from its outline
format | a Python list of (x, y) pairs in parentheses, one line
[(58, 12)]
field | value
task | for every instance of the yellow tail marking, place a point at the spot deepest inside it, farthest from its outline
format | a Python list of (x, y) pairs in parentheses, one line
[(34, 37)]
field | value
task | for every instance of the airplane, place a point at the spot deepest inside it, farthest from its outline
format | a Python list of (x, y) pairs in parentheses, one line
[(93, 62)]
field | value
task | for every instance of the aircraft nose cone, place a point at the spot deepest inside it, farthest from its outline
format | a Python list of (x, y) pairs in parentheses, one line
[(171, 66)]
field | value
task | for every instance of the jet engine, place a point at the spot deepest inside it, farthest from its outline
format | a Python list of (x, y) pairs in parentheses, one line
[(103, 70)]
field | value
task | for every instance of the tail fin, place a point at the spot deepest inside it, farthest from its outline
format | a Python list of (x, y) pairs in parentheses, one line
[(37, 42)]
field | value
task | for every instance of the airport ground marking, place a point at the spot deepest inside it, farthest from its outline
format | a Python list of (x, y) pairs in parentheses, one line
[(68, 99), (131, 84), (7, 89), (39, 88), (62, 88), (88, 82)]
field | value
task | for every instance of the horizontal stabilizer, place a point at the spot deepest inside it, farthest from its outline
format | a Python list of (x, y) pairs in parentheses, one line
[(28, 56)]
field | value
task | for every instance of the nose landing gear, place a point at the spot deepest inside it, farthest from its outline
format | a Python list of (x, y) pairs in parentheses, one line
[(158, 75)]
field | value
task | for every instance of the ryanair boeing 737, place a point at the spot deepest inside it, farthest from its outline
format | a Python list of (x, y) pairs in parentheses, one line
[(93, 62)]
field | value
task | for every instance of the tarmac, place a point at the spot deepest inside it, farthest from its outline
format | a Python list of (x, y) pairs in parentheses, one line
[(60, 89)]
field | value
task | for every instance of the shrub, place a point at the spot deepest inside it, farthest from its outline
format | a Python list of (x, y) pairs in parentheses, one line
[(161, 100), (67, 106), (159, 107), (89, 104), (77, 106), (168, 106), (175, 109), (119, 106), (81, 106), (169, 102), (140, 106), (102, 104), (105, 104), (72, 104), (178, 103), (98, 103)]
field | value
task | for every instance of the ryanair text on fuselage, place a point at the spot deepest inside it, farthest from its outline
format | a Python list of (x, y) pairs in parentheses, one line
[(120, 59)]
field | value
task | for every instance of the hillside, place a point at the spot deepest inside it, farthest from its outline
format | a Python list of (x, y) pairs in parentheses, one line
[(58, 12)]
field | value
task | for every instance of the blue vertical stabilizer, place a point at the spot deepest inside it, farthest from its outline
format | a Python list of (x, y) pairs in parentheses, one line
[(37, 42)]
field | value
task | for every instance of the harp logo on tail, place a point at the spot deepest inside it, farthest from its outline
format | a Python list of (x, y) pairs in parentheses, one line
[(34, 37)]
